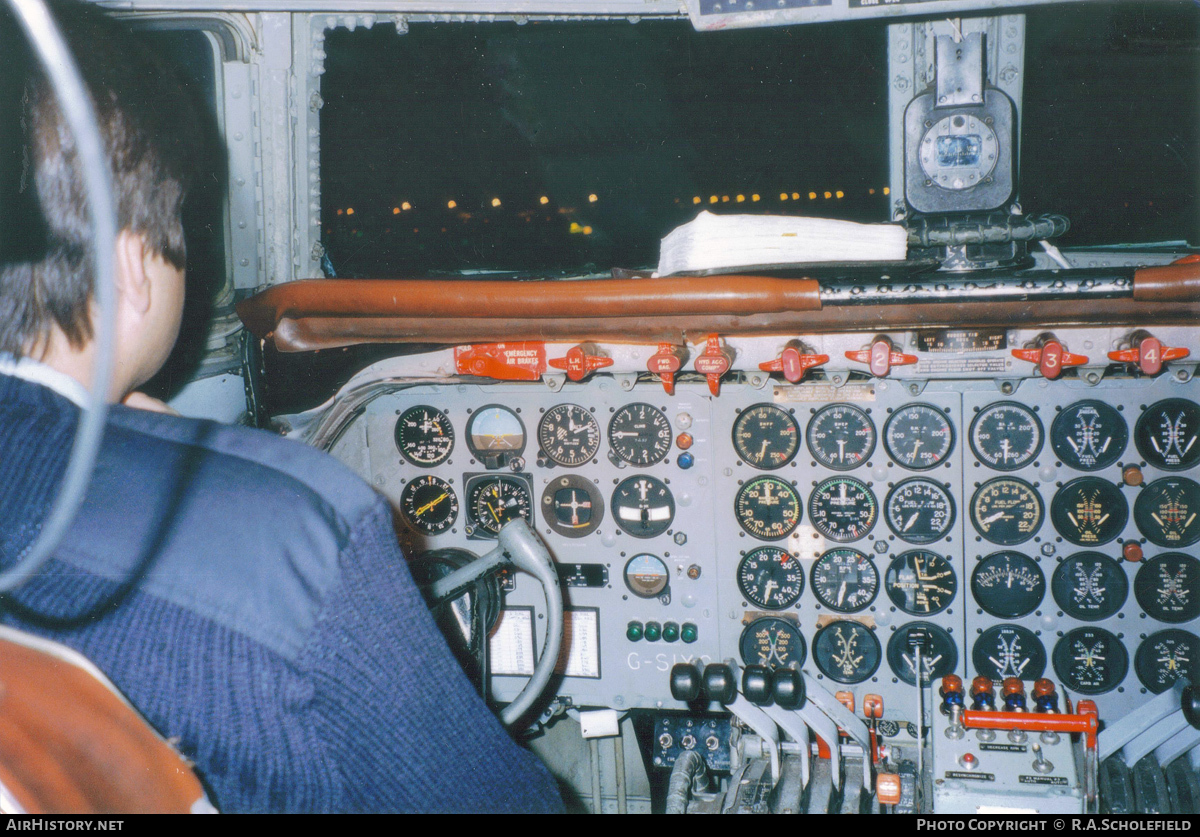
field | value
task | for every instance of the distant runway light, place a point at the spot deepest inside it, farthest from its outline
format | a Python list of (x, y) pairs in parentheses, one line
[(840, 194), (828, 195), (451, 204), (886, 190), (713, 199), (795, 196), (740, 198), (754, 198), (812, 196), (783, 196), (592, 198), (406, 206), (350, 211), (395, 210), (495, 201), (696, 199), (543, 200)]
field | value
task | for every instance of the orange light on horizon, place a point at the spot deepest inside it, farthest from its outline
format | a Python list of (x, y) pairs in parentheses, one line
[(495, 201), (543, 200)]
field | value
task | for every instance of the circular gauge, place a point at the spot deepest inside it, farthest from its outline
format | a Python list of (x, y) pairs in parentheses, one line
[(643, 506), (1089, 435), (918, 436), (843, 509), (640, 434), (1168, 587), (1008, 585), (845, 580), (1165, 657), (1009, 651), (495, 436), (921, 582), (572, 506), (1166, 434), (929, 643), (425, 436), (1089, 586), (1091, 661), (494, 501), (767, 508), (1006, 436), (841, 437), (646, 576), (769, 577), (429, 505), (774, 642), (959, 151), (766, 436), (1089, 511), (919, 511), (846, 652), (1007, 511), (1167, 512), (569, 435)]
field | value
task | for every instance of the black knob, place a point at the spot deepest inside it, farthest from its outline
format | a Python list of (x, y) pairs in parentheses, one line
[(719, 683), (685, 682), (1191, 705), (789, 688), (758, 685)]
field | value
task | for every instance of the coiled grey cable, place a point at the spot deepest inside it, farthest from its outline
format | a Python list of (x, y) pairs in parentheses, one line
[(76, 106)]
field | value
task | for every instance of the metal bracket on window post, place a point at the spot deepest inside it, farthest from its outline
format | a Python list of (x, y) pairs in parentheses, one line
[(959, 70)]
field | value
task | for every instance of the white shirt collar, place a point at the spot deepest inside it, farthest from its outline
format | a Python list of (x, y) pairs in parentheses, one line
[(40, 373)]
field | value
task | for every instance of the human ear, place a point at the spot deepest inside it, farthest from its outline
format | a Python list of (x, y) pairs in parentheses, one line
[(133, 280)]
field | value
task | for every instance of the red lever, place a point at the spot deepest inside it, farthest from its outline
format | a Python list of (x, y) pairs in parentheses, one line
[(793, 364), (714, 361), (873, 706), (1150, 355), (1051, 358), (581, 361), (881, 357), (502, 361), (665, 363)]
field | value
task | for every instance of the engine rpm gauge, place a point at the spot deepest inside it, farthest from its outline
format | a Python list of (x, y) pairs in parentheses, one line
[(1006, 435), (646, 576), (846, 652), (768, 508), (770, 577), (919, 511), (495, 436), (643, 506), (918, 436), (1089, 435), (766, 436), (1006, 511), (1166, 434), (569, 435), (845, 580), (1168, 587), (1091, 661), (1165, 657), (921, 582), (639, 434), (773, 642), (1167, 512), (841, 437), (429, 504), (843, 509), (493, 500), (1009, 651), (1089, 511), (1008, 585), (425, 436), (927, 643), (1089, 586)]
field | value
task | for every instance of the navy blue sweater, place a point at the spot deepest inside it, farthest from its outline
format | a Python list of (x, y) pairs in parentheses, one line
[(247, 595)]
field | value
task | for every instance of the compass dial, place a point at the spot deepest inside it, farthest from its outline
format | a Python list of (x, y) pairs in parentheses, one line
[(1008, 585), (931, 644), (1166, 434), (918, 436), (1089, 511), (845, 580), (919, 511), (493, 501), (1165, 657), (640, 434), (569, 435), (1009, 651), (1091, 661), (1006, 511), (846, 652), (841, 437), (773, 642), (643, 506), (768, 508), (572, 506), (1168, 587), (1006, 436), (429, 505), (425, 436), (843, 509), (1167, 512), (766, 436), (1089, 435), (921, 582), (770, 577), (1089, 586)]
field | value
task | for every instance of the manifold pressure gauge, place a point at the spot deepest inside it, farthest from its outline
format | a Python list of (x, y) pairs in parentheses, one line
[(1006, 511), (1167, 434), (569, 435), (845, 580), (921, 582), (919, 511), (1006, 435), (770, 577), (766, 436), (429, 505), (846, 652), (1008, 585), (843, 509), (841, 436), (1089, 511), (768, 508)]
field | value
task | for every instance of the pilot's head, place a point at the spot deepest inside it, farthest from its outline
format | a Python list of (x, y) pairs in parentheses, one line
[(150, 131)]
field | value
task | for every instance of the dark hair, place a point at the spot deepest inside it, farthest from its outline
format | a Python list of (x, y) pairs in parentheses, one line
[(150, 130)]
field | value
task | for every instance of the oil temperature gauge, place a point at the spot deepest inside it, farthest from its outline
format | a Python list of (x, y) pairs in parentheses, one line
[(1091, 661), (1166, 434), (1009, 651), (841, 437), (773, 642), (768, 508), (1008, 585), (1168, 587), (1089, 511), (927, 643), (1165, 657), (845, 580), (843, 509), (770, 577), (1006, 435), (1167, 512), (1089, 586), (919, 436), (1089, 435), (846, 652), (921, 582), (919, 511), (1007, 511), (766, 436)]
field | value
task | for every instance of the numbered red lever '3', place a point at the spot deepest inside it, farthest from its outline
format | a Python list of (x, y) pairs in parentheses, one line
[(1051, 358)]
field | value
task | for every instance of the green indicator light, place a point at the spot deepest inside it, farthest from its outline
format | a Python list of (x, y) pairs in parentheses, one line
[(670, 632), (653, 632), (690, 632), (634, 631)]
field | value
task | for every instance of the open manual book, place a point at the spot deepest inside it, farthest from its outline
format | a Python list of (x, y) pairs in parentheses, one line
[(731, 242)]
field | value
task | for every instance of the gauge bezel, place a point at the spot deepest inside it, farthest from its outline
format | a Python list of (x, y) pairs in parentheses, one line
[(1029, 489), (895, 653), (741, 503), (646, 594), (1144, 588), (622, 452), (932, 536), (900, 564), (776, 556), (775, 410), (1060, 517), (1058, 434), (471, 482), (793, 630), (494, 460), (977, 448), (1118, 655), (1116, 587), (1038, 659), (983, 596), (1141, 664), (659, 484), (951, 435), (862, 558), (860, 630), (818, 521), (549, 417), (413, 520), (577, 482), (1141, 513), (397, 435), (1153, 457), (814, 447)]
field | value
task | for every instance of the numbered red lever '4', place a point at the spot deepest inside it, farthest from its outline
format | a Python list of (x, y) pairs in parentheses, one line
[(881, 357), (1149, 355), (1051, 358), (581, 361), (665, 363), (714, 361), (793, 364)]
